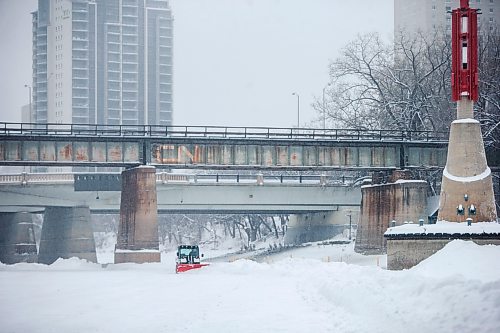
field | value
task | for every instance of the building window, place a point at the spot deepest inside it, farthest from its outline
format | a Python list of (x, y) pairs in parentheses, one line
[(491, 10)]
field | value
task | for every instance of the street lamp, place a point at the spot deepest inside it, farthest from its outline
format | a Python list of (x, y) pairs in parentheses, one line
[(298, 109), (324, 106), (29, 99), (350, 223)]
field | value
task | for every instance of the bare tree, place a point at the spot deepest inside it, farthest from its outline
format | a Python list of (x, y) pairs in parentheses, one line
[(488, 106), (400, 85)]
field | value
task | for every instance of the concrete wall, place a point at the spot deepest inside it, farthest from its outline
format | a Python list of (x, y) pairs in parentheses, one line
[(406, 253), (401, 201)]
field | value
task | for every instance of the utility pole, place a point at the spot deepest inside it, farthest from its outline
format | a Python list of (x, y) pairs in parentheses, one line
[(324, 106), (30, 108), (298, 109)]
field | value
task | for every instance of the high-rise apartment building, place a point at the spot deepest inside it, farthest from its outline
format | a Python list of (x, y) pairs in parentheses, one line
[(102, 62), (426, 15)]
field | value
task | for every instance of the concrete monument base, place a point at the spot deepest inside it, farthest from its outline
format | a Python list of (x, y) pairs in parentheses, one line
[(467, 181), (410, 244)]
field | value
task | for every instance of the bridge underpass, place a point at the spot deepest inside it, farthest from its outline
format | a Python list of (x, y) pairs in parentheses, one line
[(65, 201)]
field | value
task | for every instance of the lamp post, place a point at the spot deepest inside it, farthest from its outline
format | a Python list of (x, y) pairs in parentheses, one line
[(30, 116), (324, 106), (350, 223), (298, 109), (29, 99)]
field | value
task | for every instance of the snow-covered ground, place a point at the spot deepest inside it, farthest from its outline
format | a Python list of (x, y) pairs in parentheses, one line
[(304, 290)]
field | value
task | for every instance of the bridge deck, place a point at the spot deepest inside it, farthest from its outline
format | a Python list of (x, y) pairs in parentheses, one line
[(183, 193), (218, 147)]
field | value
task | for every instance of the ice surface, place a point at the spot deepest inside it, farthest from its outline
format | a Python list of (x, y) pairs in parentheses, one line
[(320, 288)]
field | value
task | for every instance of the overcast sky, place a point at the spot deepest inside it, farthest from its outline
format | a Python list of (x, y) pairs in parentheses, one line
[(236, 62)]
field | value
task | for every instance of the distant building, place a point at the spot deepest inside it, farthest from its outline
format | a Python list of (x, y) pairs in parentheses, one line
[(412, 16), (102, 62), (26, 116)]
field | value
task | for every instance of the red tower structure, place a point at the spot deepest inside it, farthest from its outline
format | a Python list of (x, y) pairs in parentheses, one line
[(464, 73), (467, 186)]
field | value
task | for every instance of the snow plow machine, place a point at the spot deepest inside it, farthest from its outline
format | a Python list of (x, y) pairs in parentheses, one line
[(188, 257)]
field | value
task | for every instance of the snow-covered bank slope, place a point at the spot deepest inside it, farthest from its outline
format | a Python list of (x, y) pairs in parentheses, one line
[(456, 290)]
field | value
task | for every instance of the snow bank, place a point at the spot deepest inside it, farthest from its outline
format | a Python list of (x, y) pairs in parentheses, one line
[(474, 262), (456, 290)]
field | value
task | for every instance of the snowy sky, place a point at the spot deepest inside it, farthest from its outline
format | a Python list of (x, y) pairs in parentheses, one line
[(236, 62)]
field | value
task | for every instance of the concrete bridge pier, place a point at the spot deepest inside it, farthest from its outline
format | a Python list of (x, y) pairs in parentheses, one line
[(66, 232), (400, 199), (137, 239), (17, 238)]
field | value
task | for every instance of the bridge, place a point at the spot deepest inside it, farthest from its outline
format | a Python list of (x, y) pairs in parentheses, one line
[(181, 193), (214, 147), (67, 200), (141, 195)]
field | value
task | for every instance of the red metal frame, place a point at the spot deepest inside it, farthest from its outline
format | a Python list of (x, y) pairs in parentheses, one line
[(464, 72)]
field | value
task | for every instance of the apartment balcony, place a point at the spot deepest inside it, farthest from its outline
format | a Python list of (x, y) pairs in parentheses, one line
[(81, 77), (86, 40), (80, 90)]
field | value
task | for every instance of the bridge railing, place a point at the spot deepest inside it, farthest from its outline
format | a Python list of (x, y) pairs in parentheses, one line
[(38, 178), (165, 178), (217, 132)]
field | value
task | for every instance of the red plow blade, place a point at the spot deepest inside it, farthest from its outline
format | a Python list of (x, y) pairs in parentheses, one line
[(179, 268)]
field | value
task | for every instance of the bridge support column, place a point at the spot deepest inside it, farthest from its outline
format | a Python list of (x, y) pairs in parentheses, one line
[(401, 200), (17, 238), (314, 227), (66, 232), (138, 230), (467, 180)]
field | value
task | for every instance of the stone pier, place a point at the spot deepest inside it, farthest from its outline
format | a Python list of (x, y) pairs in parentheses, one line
[(400, 199), (138, 230), (66, 232), (17, 238)]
